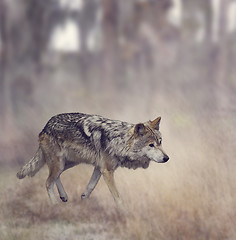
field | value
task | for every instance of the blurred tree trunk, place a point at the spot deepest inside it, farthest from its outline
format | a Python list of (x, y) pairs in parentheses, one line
[(37, 18), (110, 42), (12, 55), (22, 45), (86, 22), (3, 60), (192, 10), (219, 60), (158, 14), (8, 57), (40, 18), (222, 57), (207, 10)]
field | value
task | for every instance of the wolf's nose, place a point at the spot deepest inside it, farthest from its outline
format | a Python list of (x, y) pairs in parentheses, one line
[(166, 158)]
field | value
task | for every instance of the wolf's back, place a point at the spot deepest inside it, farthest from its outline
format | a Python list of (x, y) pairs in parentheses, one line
[(33, 166)]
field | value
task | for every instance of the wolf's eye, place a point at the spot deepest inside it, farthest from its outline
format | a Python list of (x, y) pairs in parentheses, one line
[(160, 141), (151, 145)]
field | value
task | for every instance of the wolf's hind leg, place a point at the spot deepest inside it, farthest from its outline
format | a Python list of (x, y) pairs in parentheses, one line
[(92, 183), (61, 190), (50, 187), (55, 170)]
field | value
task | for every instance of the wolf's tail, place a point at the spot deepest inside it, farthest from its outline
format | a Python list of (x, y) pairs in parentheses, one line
[(33, 166)]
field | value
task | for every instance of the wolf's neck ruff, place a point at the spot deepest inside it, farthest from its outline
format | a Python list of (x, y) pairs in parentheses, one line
[(133, 164)]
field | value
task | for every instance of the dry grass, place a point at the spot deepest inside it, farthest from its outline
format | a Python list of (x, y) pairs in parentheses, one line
[(190, 197)]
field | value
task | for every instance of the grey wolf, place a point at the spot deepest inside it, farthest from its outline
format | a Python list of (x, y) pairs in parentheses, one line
[(72, 138)]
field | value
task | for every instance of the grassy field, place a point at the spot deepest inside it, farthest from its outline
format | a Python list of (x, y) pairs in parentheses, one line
[(190, 197)]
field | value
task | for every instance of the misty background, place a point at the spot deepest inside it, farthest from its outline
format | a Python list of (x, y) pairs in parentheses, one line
[(131, 60)]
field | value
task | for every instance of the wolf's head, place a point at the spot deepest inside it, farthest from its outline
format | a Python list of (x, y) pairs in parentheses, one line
[(147, 142)]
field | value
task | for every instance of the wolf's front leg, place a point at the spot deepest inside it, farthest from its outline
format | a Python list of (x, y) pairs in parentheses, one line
[(92, 183), (61, 190), (109, 179)]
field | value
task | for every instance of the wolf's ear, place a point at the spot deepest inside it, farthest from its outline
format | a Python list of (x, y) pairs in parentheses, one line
[(139, 129), (155, 123)]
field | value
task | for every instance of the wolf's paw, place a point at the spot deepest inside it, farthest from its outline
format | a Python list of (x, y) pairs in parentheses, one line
[(84, 195), (64, 199)]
